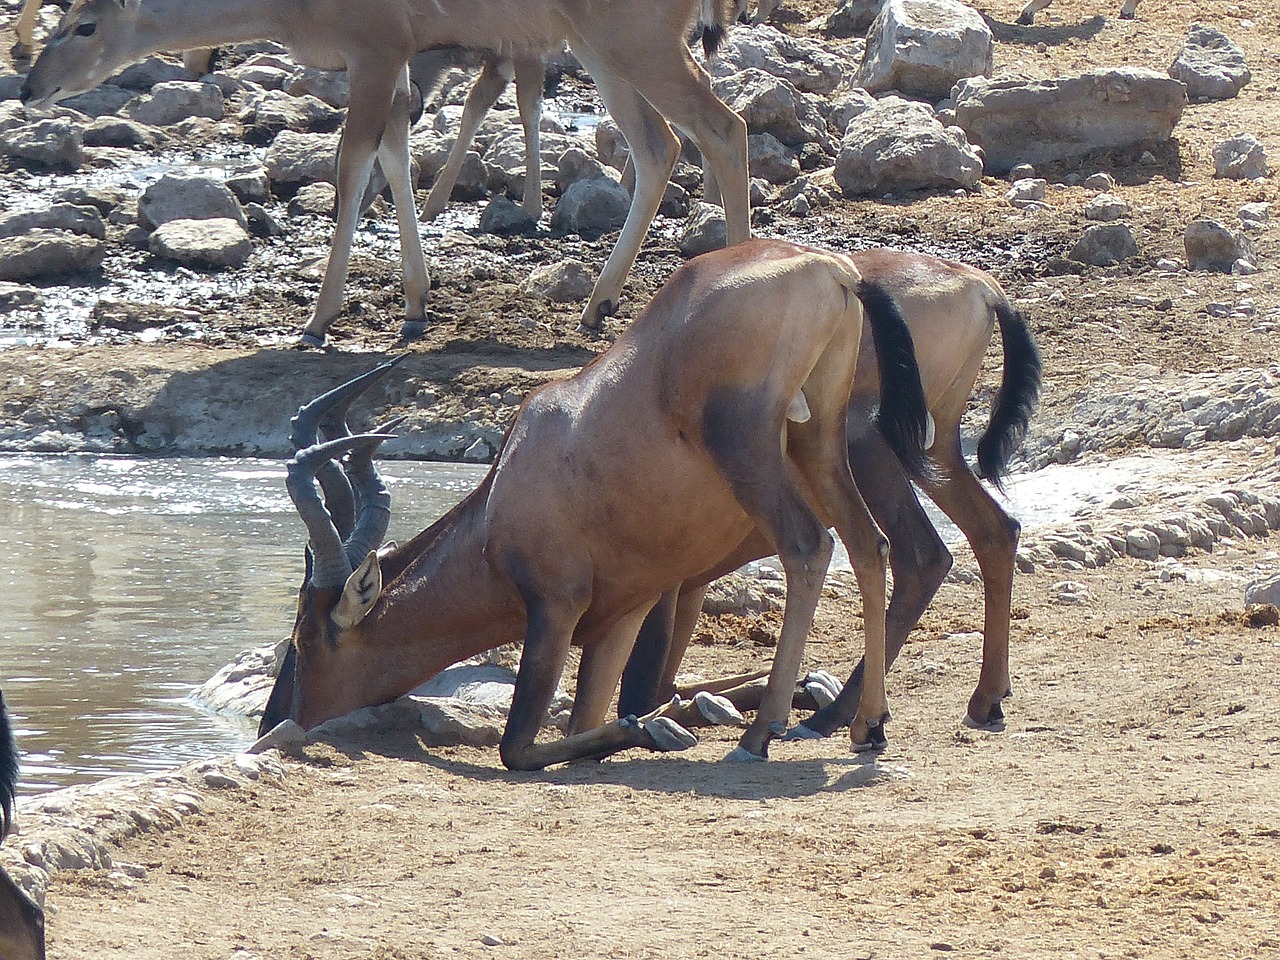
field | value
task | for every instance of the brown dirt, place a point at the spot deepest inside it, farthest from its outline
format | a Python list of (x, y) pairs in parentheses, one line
[(1128, 810)]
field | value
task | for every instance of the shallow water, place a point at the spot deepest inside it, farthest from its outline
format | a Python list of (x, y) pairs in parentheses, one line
[(127, 582)]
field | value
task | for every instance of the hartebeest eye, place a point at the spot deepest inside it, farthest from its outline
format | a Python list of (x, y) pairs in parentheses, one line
[(86, 29)]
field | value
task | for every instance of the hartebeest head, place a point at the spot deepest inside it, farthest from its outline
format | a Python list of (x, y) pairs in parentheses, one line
[(346, 508)]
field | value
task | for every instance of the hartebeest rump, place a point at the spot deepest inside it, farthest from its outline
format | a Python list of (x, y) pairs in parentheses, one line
[(952, 311), (635, 51), (719, 410), (21, 921)]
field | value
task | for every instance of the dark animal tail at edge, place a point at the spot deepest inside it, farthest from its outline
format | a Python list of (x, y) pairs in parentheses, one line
[(8, 770), (1015, 400), (712, 26), (903, 417)]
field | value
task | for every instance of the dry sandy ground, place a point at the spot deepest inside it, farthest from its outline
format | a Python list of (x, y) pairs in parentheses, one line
[(1128, 810)]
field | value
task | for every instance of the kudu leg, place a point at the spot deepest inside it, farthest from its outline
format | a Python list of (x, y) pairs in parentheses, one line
[(530, 74), (393, 154), (686, 100), (373, 88), (25, 29), (654, 149), (1028, 15), (493, 79)]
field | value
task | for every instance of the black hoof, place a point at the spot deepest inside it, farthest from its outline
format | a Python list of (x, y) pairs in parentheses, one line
[(993, 721), (413, 329), (1026, 21), (594, 327), (311, 341), (876, 740)]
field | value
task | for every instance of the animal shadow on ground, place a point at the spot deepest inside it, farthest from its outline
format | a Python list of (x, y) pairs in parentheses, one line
[(1051, 36), (779, 778)]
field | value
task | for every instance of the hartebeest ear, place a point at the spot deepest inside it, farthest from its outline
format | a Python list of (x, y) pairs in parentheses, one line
[(360, 594)]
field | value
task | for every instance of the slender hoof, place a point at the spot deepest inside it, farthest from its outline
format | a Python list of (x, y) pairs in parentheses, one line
[(743, 755), (994, 719), (802, 732), (412, 329), (668, 735), (718, 710), (1026, 20), (875, 740), (311, 340), (1128, 16), (823, 687)]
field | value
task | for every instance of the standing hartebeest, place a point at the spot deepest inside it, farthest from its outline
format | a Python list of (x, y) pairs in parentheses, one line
[(21, 921), (635, 51), (952, 310), (718, 411)]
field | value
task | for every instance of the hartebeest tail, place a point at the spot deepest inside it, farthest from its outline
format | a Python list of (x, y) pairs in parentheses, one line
[(902, 415), (21, 921), (1015, 400)]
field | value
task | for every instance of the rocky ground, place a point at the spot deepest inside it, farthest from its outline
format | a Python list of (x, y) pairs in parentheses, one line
[(1126, 811)]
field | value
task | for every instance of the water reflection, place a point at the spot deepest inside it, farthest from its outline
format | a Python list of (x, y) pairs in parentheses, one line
[(126, 582)]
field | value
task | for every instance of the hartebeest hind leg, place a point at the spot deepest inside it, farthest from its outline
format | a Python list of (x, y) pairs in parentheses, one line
[(770, 487), (993, 534), (918, 558), (819, 447), (920, 562)]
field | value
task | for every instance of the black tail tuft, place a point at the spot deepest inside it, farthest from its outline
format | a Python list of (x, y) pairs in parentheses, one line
[(8, 770), (713, 35), (904, 413), (1016, 399)]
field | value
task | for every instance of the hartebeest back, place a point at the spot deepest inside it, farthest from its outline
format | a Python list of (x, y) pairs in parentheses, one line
[(635, 51), (952, 311), (21, 921), (719, 410)]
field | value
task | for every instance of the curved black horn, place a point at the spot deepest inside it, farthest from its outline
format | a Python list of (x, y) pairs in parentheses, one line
[(373, 496), (327, 415), (330, 564), (328, 412)]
